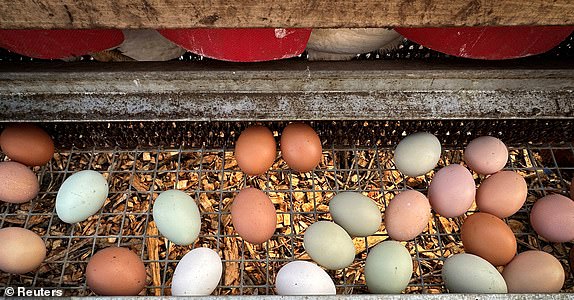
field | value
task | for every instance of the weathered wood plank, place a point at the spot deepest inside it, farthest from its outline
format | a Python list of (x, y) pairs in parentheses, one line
[(50, 14)]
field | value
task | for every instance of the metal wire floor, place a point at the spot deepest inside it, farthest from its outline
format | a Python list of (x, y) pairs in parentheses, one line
[(212, 178)]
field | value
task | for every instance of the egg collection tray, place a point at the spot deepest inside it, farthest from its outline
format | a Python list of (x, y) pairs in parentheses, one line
[(205, 168)]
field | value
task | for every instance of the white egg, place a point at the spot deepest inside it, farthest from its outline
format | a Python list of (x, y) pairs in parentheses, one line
[(356, 213), (81, 195), (197, 273), (388, 268), (148, 45), (468, 273), (417, 154), (329, 245), (303, 278), (177, 217)]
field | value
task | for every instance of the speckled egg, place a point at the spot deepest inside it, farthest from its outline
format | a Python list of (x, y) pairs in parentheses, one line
[(552, 217), (486, 155), (329, 245), (18, 184), (452, 191), (358, 214), (407, 215), (303, 278), (81, 195), (417, 154), (116, 271), (534, 272), (502, 194)]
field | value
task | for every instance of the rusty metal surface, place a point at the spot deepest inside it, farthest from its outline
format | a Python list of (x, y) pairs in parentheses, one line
[(293, 90)]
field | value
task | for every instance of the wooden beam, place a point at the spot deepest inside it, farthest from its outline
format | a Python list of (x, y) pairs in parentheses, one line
[(78, 14)]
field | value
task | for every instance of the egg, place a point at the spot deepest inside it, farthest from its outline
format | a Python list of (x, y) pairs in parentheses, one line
[(27, 144), (417, 154), (177, 217), (18, 184), (329, 245), (303, 278), (388, 268), (255, 150), (552, 218), (115, 271), (21, 250), (470, 274), (407, 215), (301, 147), (356, 213), (81, 195), (452, 191), (148, 45), (534, 272), (486, 155), (197, 273), (502, 194), (489, 237), (253, 215)]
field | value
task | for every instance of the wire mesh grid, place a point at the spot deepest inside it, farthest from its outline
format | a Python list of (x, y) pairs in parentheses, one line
[(212, 178)]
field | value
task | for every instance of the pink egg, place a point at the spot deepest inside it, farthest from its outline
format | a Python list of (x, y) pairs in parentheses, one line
[(407, 215), (486, 155), (552, 217), (452, 191)]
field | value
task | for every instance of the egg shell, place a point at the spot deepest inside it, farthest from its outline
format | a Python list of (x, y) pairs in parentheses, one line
[(197, 273), (534, 272), (116, 271), (81, 195), (329, 245), (502, 194), (356, 213), (253, 215), (407, 215), (177, 217), (27, 144), (452, 191), (18, 183), (486, 155), (489, 237), (417, 154), (21, 250), (255, 150), (299, 278), (301, 147), (552, 218), (470, 274), (388, 268)]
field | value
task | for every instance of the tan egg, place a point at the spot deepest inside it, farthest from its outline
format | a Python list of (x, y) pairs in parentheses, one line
[(534, 272), (253, 215), (21, 250), (18, 184), (489, 237), (255, 150), (486, 155), (407, 215), (552, 218), (502, 194), (301, 147), (27, 144), (116, 271)]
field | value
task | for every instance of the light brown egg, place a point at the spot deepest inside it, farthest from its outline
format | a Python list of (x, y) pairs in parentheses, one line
[(552, 218), (116, 271), (486, 155), (502, 194), (407, 215), (27, 144), (253, 215), (21, 250), (301, 147), (534, 272), (489, 237), (18, 184), (255, 150)]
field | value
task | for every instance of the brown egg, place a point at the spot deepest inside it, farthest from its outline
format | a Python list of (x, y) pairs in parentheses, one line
[(27, 144), (255, 150), (253, 215), (534, 272), (552, 218), (486, 155), (489, 237), (21, 250), (116, 271), (502, 194), (407, 215), (18, 184), (301, 147)]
